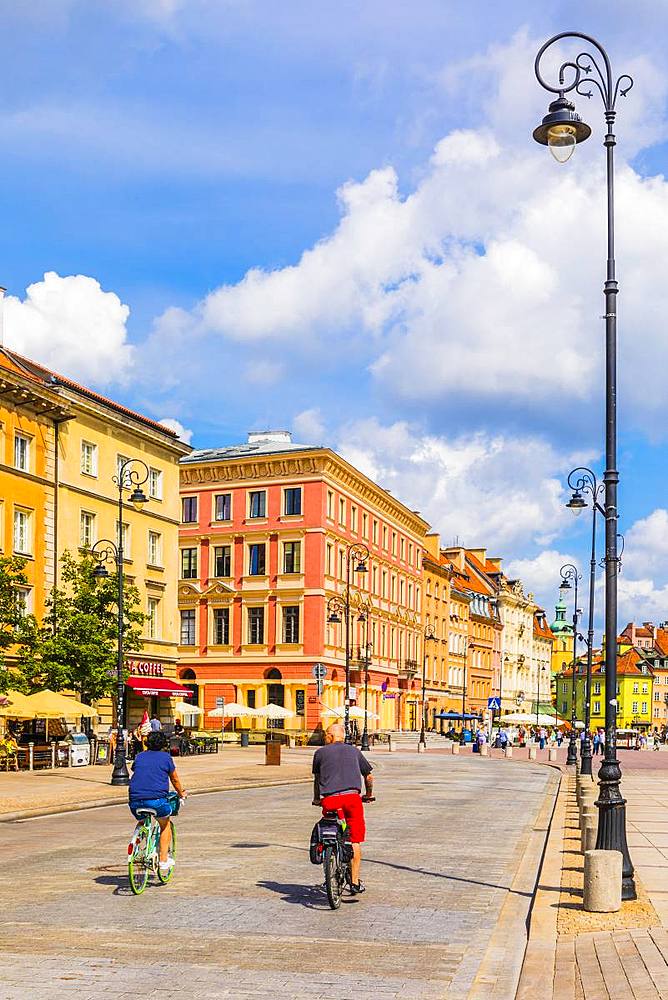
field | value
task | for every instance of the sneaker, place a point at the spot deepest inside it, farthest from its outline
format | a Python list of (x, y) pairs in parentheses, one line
[(166, 866), (356, 889)]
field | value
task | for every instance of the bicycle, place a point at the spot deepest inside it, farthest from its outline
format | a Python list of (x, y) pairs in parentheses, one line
[(331, 846), (144, 848)]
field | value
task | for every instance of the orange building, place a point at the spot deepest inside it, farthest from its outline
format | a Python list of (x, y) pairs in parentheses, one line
[(28, 413), (265, 531), (437, 611)]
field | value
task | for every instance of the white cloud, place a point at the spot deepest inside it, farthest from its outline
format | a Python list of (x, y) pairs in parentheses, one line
[(540, 574), (503, 492), (309, 427), (71, 325), (174, 425), (263, 372)]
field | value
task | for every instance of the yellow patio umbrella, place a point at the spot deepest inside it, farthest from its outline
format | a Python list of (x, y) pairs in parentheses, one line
[(18, 707), (48, 704)]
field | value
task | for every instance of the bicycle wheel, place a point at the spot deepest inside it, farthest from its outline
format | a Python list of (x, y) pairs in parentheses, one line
[(139, 864), (332, 878), (165, 876)]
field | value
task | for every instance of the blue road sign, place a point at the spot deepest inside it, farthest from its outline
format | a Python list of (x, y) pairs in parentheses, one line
[(494, 704)]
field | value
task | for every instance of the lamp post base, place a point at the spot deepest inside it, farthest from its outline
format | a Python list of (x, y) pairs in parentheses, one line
[(572, 757), (611, 834), (364, 745), (585, 757), (120, 775)]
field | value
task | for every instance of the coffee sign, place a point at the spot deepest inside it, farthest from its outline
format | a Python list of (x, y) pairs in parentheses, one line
[(145, 668)]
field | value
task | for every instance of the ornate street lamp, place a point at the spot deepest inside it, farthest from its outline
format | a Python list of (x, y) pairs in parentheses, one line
[(583, 482), (357, 555), (131, 475), (561, 130), (429, 636), (364, 617), (462, 738), (569, 573)]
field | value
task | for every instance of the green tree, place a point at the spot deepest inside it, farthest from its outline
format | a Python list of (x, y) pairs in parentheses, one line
[(16, 627), (75, 647)]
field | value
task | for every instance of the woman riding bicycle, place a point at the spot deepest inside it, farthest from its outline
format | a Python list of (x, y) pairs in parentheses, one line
[(153, 769)]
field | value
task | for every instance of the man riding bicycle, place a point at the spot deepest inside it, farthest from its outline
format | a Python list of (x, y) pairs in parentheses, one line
[(153, 769), (340, 769)]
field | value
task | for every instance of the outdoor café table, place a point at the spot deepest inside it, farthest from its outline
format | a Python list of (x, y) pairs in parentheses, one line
[(205, 744)]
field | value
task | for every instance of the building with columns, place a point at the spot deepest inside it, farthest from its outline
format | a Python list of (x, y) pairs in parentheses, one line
[(266, 530)]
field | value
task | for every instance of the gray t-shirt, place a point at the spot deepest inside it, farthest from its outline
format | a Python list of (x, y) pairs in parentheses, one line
[(339, 767)]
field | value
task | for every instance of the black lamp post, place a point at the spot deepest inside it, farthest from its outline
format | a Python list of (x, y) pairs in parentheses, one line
[(583, 481), (561, 130), (131, 475), (364, 617), (462, 738), (569, 573), (356, 559), (429, 635)]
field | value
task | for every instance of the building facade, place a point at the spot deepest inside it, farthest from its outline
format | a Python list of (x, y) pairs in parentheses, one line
[(265, 536), (634, 692), (437, 613), (76, 459)]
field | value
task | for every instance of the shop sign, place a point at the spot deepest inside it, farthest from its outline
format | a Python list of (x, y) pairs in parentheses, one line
[(145, 668), (387, 697)]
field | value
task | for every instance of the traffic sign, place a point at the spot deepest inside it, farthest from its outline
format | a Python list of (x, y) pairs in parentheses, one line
[(494, 704), (319, 671)]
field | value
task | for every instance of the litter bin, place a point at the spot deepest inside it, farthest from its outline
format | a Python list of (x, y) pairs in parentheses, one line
[(79, 750), (272, 753), (244, 738)]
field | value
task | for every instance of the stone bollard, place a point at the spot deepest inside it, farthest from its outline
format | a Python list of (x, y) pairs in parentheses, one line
[(552, 753), (421, 747), (31, 756), (508, 751), (588, 837), (532, 753), (455, 748), (588, 811), (390, 748), (484, 750), (602, 881)]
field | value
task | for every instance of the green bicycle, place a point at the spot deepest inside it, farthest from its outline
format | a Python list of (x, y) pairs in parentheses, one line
[(144, 848)]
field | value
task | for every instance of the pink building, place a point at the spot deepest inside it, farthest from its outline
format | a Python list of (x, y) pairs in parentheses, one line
[(263, 544)]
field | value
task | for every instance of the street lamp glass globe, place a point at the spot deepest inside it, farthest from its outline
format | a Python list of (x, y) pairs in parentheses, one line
[(576, 503), (561, 140), (100, 572), (361, 567), (138, 498)]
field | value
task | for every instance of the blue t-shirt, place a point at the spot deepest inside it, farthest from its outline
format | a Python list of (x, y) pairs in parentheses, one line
[(150, 778)]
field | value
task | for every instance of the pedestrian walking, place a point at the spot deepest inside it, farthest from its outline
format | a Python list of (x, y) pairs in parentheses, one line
[(542, 738), (155, 724), (596, 743), (560, 737)]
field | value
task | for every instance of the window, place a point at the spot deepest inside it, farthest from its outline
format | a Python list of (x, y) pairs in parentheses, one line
[(189, 564), (221, 626), (256, 565), (120, 462), (291, 624), (402, 548), (223, 510), (385, 536), (644, 708), (155, 484), (86, 529), (644, 689), (188, 628), (597, 687), (257, 503), (365, 525), (597, 708), (410, 552), (329, 556), (394, 543), (330, 505), (155, 548), (634, 708), (22, 539), (153, 617), (23, 599), (300, 701), (292, 557), (22, 452), (292, 500), (342, 511), (189, 510), (353, 519), (375, 532), (123, 538), (255, 626), (222, 560), (657, 696), (88, 458), (635, 688), (384, 590), (564, 707)]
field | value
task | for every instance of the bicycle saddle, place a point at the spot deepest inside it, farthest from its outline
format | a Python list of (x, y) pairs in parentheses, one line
[(147, 812)]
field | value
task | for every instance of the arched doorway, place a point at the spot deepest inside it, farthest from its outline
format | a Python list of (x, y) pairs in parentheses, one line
[(186, 677), (275, 695)]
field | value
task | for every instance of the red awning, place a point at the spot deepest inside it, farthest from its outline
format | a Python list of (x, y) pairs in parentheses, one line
[(149, 687)]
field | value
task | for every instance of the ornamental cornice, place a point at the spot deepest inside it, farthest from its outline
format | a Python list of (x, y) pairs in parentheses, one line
[(338, 470), (271, 467)]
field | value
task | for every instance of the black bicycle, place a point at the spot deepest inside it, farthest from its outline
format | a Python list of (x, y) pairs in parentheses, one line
[(332, 848)]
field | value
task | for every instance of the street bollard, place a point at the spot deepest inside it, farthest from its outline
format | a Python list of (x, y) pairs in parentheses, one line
[(484, 750), (532, 753), (390, 748), (588, 837), (421, 747), (455, 748), (53, 755), (508, 751), (552, 753), (603, 881), (31, 756), (588, 811)]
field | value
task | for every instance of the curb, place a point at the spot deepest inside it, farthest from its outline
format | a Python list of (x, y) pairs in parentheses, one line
[(43, 811)]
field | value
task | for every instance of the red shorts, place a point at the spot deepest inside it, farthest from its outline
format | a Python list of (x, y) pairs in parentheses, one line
[(349, 807)]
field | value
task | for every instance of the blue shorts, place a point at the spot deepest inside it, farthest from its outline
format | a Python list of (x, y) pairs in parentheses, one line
[(163, 807)]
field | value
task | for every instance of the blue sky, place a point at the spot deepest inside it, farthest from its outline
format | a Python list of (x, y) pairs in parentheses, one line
[(331, 217)]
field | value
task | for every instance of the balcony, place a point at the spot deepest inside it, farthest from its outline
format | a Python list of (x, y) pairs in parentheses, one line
[(408, 669)]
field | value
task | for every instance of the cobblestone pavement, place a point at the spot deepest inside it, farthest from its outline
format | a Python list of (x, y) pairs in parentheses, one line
[(243, 916)]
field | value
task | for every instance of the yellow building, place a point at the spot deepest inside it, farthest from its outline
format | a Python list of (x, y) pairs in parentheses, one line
[(436, 620), (634, 692), (29, 411), (88, 445)]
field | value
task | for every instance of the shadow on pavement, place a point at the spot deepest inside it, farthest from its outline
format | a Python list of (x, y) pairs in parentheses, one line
[(310, 896), (120, 883)]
